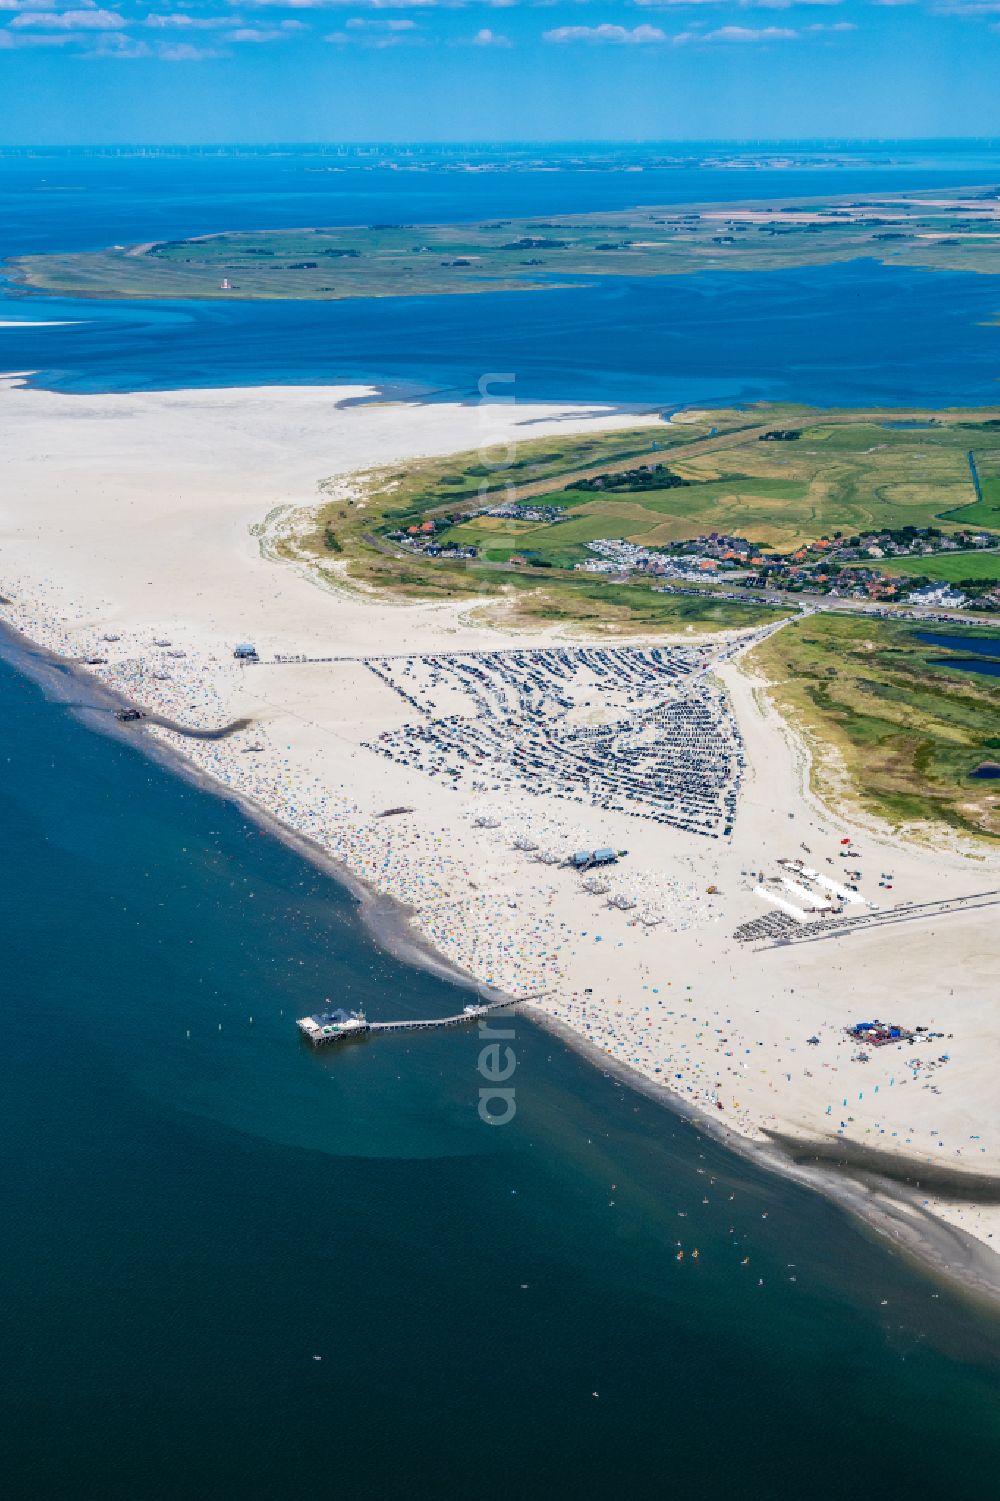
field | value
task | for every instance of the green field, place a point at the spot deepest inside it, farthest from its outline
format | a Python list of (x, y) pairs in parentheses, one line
[(391, 260), (985, 512), (526, 597), (979, 513), (426, 487), (353, 533), (950, 568), (846, 471), (651, 518), (847, 478), (907, 736)]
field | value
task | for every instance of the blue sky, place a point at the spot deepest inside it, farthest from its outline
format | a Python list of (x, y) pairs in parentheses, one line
[(298, 70)]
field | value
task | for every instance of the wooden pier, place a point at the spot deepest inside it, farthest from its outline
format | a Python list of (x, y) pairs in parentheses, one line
[(328, 1027)]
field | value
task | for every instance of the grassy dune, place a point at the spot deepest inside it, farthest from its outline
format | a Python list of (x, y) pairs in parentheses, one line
[(906, 736)]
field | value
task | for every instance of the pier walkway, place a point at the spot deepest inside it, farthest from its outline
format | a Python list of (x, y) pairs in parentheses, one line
[(319, 1030), (475, 1014), (291, 660)]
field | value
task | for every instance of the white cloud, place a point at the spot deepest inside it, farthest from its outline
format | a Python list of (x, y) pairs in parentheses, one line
[(741, 34), (265, 33), (361, 32), (37, 4), (233, 32), (12, 40), (484, 37), (739, 4), (116, 44), (372, 4), (186, 52), (336, 4), (98, 33), (606, 34), (187, 23), (71, 20), (360, 23), (836, 26)]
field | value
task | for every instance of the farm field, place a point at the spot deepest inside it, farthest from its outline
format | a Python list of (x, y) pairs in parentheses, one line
[(960, 232), (845, 471), (834, 479), (349, 529)]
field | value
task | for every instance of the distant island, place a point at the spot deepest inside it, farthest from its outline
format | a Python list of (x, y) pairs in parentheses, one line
[(956, 231)]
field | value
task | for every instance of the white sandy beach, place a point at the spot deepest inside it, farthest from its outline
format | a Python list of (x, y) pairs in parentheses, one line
[(148, 518)]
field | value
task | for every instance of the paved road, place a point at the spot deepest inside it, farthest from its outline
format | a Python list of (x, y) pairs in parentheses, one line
[(870, 922)]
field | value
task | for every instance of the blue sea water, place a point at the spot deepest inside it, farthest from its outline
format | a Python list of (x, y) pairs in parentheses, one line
[(838, 335), (830, 335), (195, 1207), (80, 200)]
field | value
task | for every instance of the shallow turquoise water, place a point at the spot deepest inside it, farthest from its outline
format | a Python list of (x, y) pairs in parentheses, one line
[(191, 1214)]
